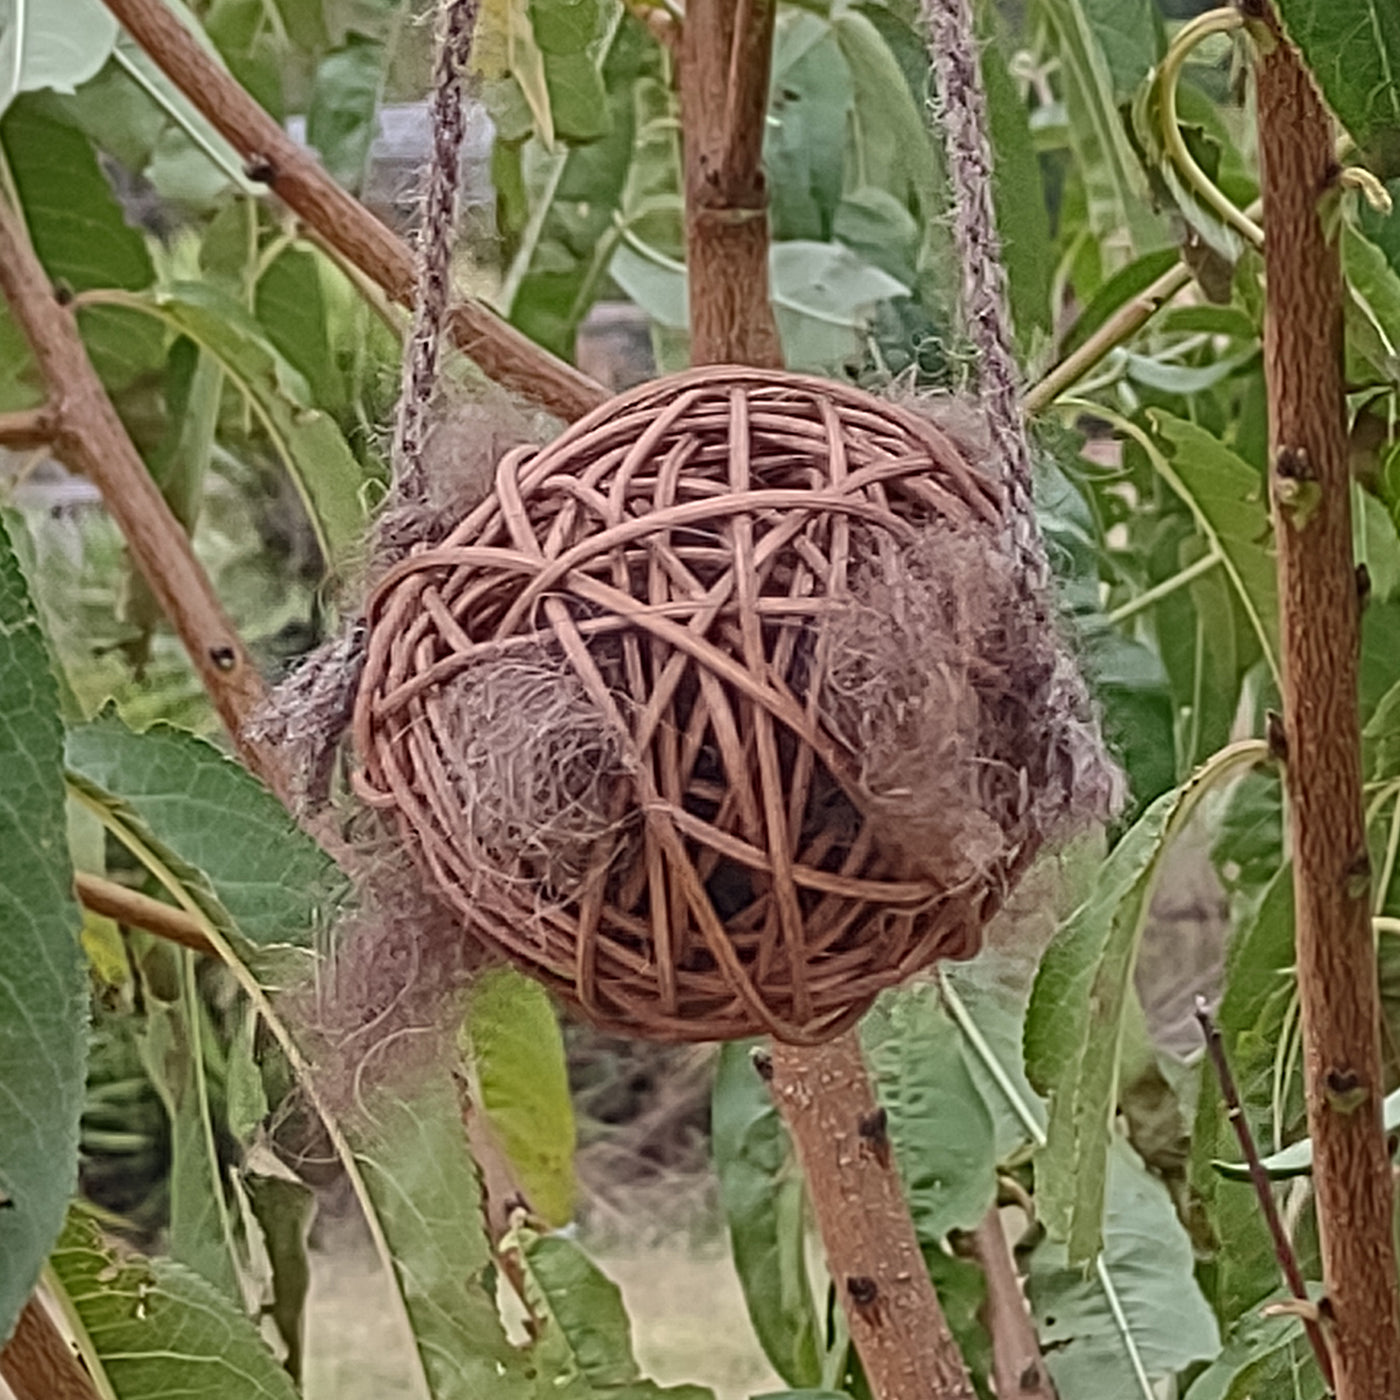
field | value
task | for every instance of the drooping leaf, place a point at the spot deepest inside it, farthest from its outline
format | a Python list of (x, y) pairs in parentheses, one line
[(1095, 85), (1148, 1259), (51, 44), (201, 1233), (196, 802), (1263, 1358), (344, 98), (81, 235), (585, 1346), (1353, 49), (939, 1123), (311, 446), (761, 1190), (512, 1041), (1022, 221), (284, 1209), (156, 1328), (1074, 1027), (412, 1151), (1226, 497), (43, 1013)]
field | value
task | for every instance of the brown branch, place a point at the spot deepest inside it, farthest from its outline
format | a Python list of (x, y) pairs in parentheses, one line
[(38, 1364), (137, 910), (724, 100), (1320, 612), (292, 172), (1017, 1365), (89, 437), (825, 1097), (1259, 1179), (31, 427)]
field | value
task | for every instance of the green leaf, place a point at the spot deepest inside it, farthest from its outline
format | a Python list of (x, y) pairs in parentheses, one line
[(43, 993), (1095, 86), (81, 235), (586, 1344), (804, 142), (894, 149), (311, 446), (1027, 252), (1263, 1358), (201, 1232), (412, 1152), (512, 1041), (762, 1194), (52, 44), (558, 270), (195, 801), (1353, 49), (1077, 1013), (292, 307), (1148, 1257), (344, 99), (941, 1128), (284, 1210), (150, 1328), (1297, 1159), (1225, 496)]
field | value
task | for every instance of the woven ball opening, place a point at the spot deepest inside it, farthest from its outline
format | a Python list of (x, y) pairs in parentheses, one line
[(723, 712)]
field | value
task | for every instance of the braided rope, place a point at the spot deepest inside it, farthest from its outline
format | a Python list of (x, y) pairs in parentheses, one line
[(436, 235), (961, 109)]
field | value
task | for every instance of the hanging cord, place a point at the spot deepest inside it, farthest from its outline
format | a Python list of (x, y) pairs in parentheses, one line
[(307, 714), (961, 107), (436, 235)]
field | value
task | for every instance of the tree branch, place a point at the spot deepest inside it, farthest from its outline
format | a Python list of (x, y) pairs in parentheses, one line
[(724, 65), (37, 1364), (31, 427), (1320, 612), (292, 172), (825, 1097), (1018, 1368), (89, 437), (138, 910)]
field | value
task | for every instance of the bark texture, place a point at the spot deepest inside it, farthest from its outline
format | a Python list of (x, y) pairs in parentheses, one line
[(37, 1364), (89, 438), (896, 1323), (1320, 610), (726, 47)]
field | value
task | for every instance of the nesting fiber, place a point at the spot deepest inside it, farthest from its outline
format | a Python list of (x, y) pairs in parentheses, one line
[(724, 711)]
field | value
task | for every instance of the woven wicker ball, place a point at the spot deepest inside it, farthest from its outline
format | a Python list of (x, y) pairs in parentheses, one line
[(592, 710)]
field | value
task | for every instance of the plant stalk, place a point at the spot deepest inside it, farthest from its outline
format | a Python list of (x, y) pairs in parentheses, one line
[(1320, 609)]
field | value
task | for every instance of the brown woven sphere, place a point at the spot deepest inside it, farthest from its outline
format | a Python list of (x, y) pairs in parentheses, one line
[(600, 711)]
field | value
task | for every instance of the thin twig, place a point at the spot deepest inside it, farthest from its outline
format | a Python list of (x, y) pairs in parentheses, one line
[(31, 427), (90, 439), (38, 1364), (137, 910), (274, 159), (1259, 1179)]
